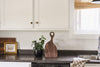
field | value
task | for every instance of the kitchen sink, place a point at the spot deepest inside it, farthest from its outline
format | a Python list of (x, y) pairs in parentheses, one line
[(90, 57)]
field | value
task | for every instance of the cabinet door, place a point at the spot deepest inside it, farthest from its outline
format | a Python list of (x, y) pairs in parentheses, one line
[(51, 65), (16, 14), (92, 65), (52, 14), (15, 64)]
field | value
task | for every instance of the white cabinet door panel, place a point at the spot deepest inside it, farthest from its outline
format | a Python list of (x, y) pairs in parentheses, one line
[(15, 64), (17, 14), (53, 14)]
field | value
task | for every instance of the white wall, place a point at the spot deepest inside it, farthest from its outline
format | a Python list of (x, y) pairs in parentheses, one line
[(63, 40)]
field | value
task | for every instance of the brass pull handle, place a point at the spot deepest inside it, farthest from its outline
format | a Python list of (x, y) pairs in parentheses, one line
[(31, 22), (37, 22)]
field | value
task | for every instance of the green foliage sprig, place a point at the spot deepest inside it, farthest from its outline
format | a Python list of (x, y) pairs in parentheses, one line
[(39, 45)]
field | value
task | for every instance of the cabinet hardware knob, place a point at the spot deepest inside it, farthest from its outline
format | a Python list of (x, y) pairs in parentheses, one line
[(37, 22), (31, 22)]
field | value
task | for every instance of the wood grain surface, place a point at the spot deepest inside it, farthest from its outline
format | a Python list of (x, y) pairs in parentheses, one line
[(50, 48), (2, 40)]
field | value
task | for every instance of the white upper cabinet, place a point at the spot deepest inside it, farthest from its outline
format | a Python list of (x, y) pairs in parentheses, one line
[(53, 14), (16, 14), (44, 14)]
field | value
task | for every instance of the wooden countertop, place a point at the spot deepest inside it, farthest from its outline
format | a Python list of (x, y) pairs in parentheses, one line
[(31, 58)]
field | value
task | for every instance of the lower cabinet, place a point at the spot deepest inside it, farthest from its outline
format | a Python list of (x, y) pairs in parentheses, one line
[(51, 65), (92, 65), (28, 64), (15, 64)]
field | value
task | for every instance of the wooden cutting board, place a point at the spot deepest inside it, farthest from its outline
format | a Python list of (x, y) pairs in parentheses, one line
[(2, 40), (50, 48)]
